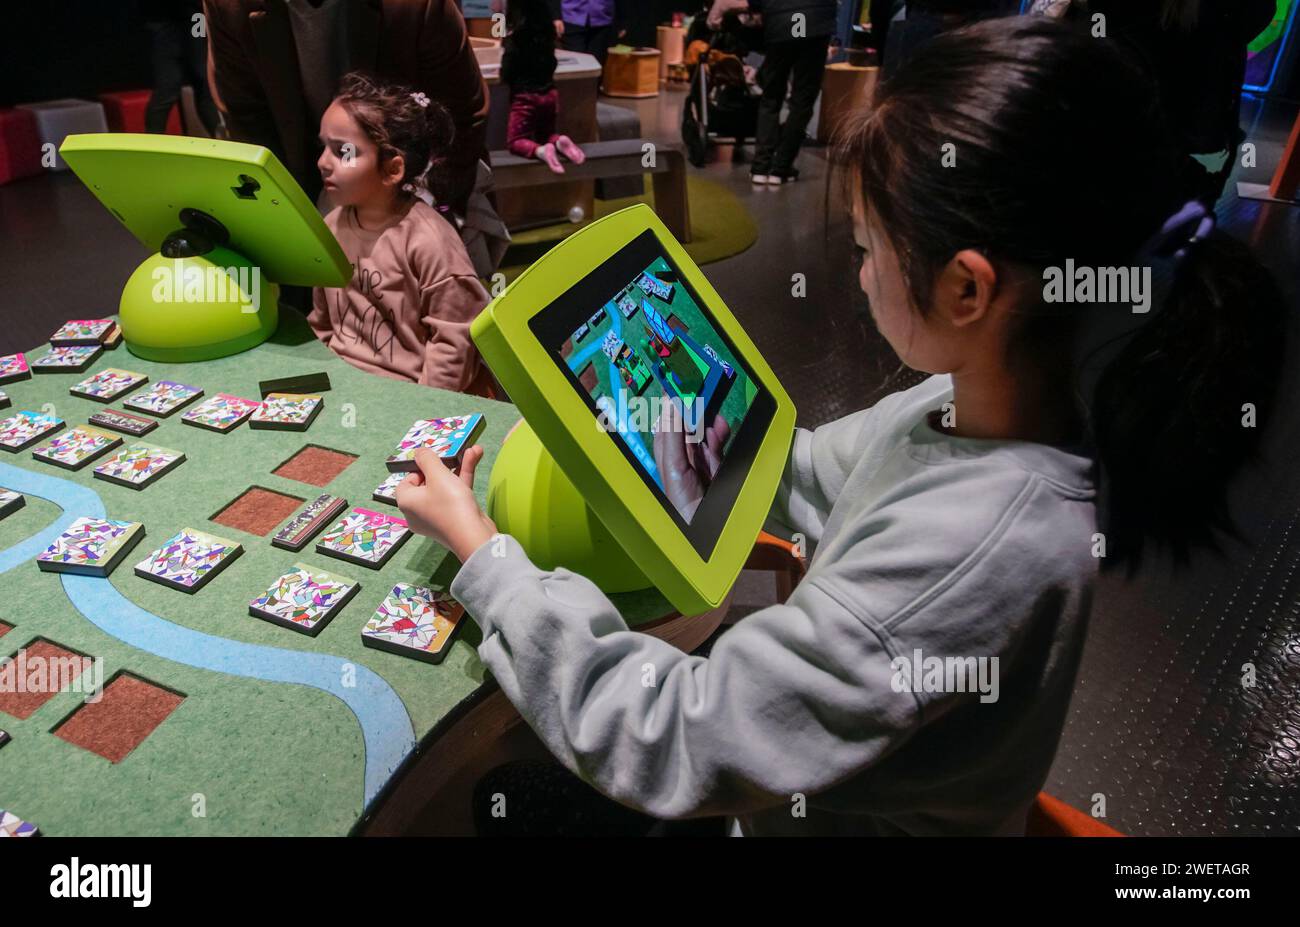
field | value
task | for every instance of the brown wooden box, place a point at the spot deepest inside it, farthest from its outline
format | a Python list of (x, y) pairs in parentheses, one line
[(846, 91), (632, 73)]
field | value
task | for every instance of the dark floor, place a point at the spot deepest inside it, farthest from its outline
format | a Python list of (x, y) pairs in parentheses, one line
[(1161, 725)]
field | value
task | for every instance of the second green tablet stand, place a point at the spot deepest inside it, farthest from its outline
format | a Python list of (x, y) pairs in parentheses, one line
[(228, 225)]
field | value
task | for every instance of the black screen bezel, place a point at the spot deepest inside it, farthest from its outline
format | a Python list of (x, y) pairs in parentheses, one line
[(553, 325)]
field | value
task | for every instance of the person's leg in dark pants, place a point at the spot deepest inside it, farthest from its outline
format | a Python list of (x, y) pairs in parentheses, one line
[(198, 75), (168, 41), (574, 38), (598, 41), (807, 68), (774, 78), (594, 40)]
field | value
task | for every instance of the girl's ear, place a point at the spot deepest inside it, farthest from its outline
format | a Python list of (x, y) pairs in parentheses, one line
[(967, 288), (392, 170)]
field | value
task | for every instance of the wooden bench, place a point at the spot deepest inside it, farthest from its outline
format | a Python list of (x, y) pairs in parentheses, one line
[(620, 158)]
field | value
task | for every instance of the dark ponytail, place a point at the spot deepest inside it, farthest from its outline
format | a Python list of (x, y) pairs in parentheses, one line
[(1180, 408), (1037, 144)]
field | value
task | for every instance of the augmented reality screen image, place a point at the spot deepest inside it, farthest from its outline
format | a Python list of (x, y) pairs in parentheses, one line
[(664, 381)]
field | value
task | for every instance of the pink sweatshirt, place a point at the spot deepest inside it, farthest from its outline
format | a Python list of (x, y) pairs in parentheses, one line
[(406, 311)]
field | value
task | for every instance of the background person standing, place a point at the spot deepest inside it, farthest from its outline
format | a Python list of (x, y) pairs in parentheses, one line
[(276, 65), (796, 34), (589, 26), (179, 57)]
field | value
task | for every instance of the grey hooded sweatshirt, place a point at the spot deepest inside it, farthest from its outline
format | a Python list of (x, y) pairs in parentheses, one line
[(916, 682)]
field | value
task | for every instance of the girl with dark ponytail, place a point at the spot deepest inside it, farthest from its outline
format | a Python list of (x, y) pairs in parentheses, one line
[(1059, 153), (917, 679)]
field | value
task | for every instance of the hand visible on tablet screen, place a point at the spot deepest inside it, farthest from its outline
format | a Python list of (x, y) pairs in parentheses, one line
[(687, 467)]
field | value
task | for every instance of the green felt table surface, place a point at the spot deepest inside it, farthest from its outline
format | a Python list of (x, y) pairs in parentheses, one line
[(239, 755)]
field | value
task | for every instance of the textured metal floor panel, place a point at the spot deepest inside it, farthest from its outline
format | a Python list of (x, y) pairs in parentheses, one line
[(1162, 724)]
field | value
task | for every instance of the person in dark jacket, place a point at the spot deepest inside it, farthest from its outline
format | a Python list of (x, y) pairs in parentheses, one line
[(1195, 51), (796, 34), (921, 20), (275, 65)]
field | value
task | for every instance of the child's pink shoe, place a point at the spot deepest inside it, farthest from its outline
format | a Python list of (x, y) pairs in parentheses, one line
[(570, 150), (546, 153)]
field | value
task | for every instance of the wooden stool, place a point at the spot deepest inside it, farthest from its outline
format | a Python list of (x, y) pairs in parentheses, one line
[(671, 41), (633, 73), (846, 89)]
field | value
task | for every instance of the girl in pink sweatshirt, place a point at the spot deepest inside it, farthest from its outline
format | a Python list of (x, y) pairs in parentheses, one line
[(407, 309)]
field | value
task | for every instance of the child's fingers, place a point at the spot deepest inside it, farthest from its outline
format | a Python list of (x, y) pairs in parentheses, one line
[(670, 441), (431, 467), (404, 489), (715, 438), (695, 459), (718, 433), (468, 464)]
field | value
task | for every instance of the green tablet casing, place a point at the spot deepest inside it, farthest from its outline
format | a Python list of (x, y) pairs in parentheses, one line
[(145, 180), (589, 456)]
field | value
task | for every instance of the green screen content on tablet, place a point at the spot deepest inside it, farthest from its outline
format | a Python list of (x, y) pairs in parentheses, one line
[(652, 402), (650, 345)]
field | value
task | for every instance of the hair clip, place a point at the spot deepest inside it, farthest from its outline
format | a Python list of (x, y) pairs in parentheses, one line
[(420, 98)]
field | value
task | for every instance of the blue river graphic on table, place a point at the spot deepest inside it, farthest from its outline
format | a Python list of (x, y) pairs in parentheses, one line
[(385, 724)]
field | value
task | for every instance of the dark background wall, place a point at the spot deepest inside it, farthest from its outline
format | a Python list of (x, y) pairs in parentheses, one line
[(61, 48)]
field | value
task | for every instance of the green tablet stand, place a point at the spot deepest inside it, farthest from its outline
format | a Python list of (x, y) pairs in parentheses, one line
[(531, 499), (228, 225), (562, 486), (196, 300)]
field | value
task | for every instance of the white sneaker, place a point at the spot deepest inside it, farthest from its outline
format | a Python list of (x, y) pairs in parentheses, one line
[(759, 180)]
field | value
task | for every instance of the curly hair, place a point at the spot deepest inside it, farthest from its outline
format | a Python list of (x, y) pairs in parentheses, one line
[(393, 117)]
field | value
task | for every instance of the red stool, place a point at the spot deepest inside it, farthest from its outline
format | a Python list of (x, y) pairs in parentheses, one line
[(125, 111), (20, 145), (1051, 817)]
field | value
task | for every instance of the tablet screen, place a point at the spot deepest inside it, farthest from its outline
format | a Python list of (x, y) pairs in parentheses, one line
[(662, 380)]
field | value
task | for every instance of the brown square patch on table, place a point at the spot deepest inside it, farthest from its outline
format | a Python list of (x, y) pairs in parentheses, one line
[(588, 378), (56, 669), (128, 711), (315, 465), (257, 510)]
